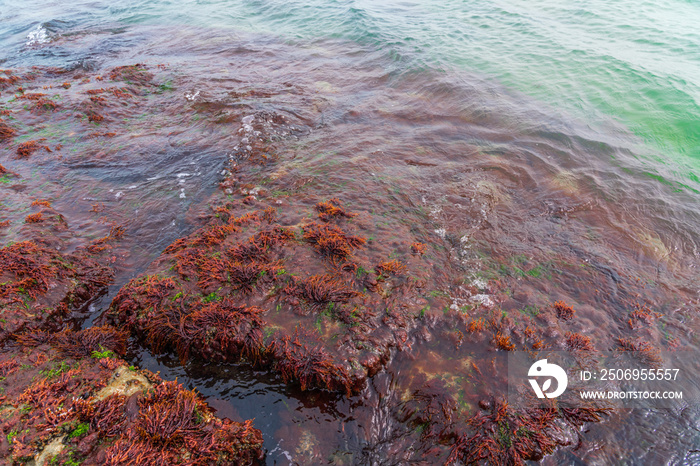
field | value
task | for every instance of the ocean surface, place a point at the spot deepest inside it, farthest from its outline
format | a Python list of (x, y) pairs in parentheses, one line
[(524, 132), (628, 69)]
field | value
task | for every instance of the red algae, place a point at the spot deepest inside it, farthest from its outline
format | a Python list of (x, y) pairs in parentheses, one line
[(309, 363), (135, 74), (81, 399), (41, 103), (477, 326), (285, 278), (641, 349), (115, 233), (319, 291), (9, 80), (564, 311), (40, 202), (6, 131), (502, 436), (418, 248), (187, 305), (332, 242), (34, 218), (28, 148), (576, 341), (503, 342), (641, 315), (39, 281), (94, 116), (392, 267), (332, 209)]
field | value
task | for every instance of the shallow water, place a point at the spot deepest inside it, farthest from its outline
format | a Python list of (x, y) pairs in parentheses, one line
[(628, 67), (525, 192)]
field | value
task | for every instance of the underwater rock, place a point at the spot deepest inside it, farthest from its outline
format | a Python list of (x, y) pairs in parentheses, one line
[(309, 300)]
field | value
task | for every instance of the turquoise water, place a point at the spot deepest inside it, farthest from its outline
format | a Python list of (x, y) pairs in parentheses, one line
[(627, 68)]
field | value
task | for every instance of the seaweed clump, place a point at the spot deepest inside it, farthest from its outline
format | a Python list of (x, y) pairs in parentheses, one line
[(332, 242), (332, 209), (132, 74), (71, 390), (418, 248), (40, 280), (41, 103), (6, 131), (578, 342), (642, 350), (496, 433), (319, 291), (28, 148), (504, 436), (563, 310), (246, 287)]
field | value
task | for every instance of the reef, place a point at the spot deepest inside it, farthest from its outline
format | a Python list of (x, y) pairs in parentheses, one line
[(289, 271), (311, 300), (40, 285), (68, 398), (67, 395)]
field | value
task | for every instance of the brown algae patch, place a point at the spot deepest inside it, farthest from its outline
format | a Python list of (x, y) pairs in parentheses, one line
[(39, 283)]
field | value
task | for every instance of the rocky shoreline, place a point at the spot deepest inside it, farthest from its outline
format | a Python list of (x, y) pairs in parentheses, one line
[(298, 282)]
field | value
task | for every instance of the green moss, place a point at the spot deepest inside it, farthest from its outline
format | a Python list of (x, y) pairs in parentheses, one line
[(211, 297), (79, 431), (12, 435), (504, 436), (422, 312), (103, 353), (55, 371), (531, 310)]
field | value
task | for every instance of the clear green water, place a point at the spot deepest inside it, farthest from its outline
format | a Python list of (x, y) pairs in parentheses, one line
[(618, 66)]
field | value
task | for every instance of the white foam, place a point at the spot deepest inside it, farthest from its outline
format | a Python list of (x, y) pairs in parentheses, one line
[(480, 283), (191, 97), (38, 36), (483, 299)]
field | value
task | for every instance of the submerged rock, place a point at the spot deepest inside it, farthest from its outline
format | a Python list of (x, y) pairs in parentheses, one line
[(311, 300), (38, 284)]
